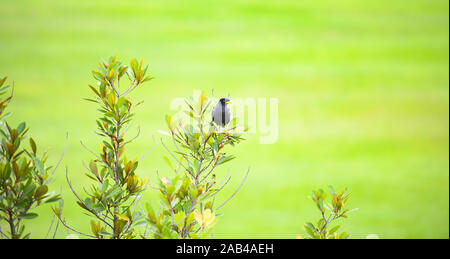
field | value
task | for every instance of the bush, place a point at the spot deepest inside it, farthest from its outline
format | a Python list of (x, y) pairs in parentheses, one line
[(24, 174), (188, 208), (117, 188), (330, 211)]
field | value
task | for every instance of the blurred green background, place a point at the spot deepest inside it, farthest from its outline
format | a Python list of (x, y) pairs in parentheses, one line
[(363, 89)]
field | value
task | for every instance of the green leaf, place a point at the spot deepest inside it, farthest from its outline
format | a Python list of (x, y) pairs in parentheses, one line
[(21, 127), (170, 190), (310, 229), (344, 235), (30, 215), (90, 100), (151, 213), (98, 76), (2, 81), (82, 205), (166, 159), (90, 176), (105, 185), (133, 64), (350, 211), (178, 217), (122, 217), (39, 166), (33, 146), (41, 191), (320, 205), (140, 223), (330, 188), (98, 207), (120, 102), (105, 234), (147, 78), (193, 193), (225, 159), (334, 229), (88, 203), (94, 228), (169, 121), (53, 199), (95, 91), (28, 189), (215, 147), (93, 167)]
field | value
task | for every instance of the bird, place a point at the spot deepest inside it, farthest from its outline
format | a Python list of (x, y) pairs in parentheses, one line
[(221, 113)]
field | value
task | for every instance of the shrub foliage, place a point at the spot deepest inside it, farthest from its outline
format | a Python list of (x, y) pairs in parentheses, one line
[(24, 174), (111, 200), (188, 208)]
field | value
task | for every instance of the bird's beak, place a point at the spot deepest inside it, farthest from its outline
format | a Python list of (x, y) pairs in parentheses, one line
[(228, 102)]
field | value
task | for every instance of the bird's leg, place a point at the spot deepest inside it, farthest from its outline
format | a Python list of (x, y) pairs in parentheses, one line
[(225, 127), (224, 130)]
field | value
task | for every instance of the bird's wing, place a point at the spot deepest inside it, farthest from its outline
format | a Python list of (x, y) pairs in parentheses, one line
[(227, 115), (212, 112)]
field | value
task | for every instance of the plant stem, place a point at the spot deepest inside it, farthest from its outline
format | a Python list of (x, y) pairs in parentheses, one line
[(11, 225), (117, 152)]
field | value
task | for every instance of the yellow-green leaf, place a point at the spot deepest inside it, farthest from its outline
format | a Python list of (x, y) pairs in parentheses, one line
[(93, 167), (122, 217), (33, 145)]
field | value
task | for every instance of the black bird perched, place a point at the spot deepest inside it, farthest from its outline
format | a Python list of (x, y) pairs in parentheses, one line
[(221, 113)]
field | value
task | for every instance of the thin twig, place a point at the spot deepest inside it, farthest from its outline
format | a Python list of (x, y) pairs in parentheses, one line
[(220, 188), (174, 142), (210, 171), (174, 156), (96, 156), (131, 88), (98, 178), (74, 230), (92, 152), (149, 150), (57, 222), (128, 126), (71, 187), (243, 180), (78, 197), (135, 137), (117, 91), (61, 205), (60, 159), (51, 225)]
